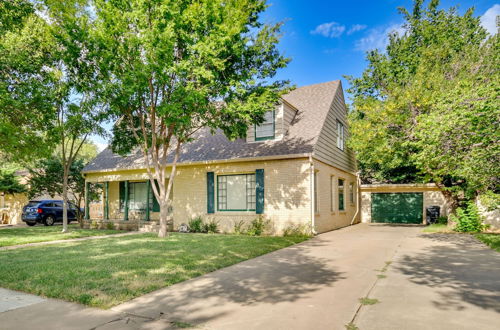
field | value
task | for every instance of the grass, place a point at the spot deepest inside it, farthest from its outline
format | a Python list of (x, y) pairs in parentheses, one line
[(437, 228), (492, 240), (104, 273), (368, 301), (351, 326), (25, 235)]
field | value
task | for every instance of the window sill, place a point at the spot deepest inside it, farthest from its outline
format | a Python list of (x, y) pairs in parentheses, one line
[(342, 212)]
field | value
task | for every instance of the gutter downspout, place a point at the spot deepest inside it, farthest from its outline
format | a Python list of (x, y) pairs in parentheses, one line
[(358, 194), (311, 177)]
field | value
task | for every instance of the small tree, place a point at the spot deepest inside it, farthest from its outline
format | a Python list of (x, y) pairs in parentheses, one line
[(9, 183), (46, 177), (168, 69)]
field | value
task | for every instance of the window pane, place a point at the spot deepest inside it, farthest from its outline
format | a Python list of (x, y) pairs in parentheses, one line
[(341, 195), (266, 129), (137, 196), (332, 194), (236, 192)]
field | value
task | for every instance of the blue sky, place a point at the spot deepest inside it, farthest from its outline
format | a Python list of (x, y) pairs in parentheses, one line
[(327, 39)]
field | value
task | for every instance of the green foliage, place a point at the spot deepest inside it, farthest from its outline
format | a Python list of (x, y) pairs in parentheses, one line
[(196, 225), (239, 227), (210, 227), (26, 83), (9, 183), (490, 200), (467, 220), (368, 301), (297, 230), (258, 226), (442, 220), (426, 109), (94, 224), (492, 240), (110, 225)]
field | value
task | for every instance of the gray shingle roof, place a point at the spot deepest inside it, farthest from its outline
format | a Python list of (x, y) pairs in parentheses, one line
[(312, 102)]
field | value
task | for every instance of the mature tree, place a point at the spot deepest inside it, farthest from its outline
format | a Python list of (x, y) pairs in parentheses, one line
[(427, 108), (26, 81), (46, 177), (168, 69)]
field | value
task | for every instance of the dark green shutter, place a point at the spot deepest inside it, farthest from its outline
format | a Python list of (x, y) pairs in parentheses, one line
[(210, 192), (259, 191), (156, 206), (122, 195)]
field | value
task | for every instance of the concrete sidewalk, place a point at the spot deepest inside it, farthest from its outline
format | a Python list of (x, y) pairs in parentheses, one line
[(434, 282)]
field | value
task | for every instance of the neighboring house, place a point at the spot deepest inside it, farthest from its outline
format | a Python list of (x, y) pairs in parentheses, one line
[(294, 168)]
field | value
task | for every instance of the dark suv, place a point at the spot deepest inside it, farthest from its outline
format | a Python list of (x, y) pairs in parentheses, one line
[(47, 212)]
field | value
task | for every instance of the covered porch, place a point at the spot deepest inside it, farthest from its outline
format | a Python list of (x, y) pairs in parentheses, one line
[(125, 200)]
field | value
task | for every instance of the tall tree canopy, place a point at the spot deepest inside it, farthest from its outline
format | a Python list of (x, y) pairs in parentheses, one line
[(26, 81), (167, 69), (427, 108)]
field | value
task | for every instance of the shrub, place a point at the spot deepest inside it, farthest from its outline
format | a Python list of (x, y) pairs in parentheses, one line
[(258, 226), (490, 200), (210, 227), (94, 224), (196, 225), (238, 227), (110, 225), (442, 220), (297, 231), (467, 220)]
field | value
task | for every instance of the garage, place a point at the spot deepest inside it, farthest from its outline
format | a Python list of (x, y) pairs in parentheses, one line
[(400, 203), (397, 207)]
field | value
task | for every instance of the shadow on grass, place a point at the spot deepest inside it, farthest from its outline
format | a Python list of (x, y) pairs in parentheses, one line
[(282, 276), (460, 268)]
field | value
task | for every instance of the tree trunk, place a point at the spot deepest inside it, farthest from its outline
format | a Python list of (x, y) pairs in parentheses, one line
[(65, 199), (163, 232)]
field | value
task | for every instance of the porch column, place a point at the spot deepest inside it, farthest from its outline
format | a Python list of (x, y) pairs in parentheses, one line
[(148, 196), (106, 201), (125, 215), (87, 188)]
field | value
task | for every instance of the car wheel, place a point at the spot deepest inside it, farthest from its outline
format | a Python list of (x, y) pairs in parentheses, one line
[(49, 221), (31, 224)]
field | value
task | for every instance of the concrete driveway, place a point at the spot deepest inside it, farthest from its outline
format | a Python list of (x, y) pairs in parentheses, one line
[(432, 282)]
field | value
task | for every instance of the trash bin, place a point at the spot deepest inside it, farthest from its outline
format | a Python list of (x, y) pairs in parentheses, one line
[(432, 214)]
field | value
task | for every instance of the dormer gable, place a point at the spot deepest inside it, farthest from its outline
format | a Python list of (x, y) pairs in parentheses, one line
[(275, 126)]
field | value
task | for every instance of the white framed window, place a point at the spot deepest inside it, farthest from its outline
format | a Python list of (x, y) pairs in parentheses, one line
[(351, 192), (265, 131), (332, 193), (137, 192), (340, 135), (236, 192), (341, 195)]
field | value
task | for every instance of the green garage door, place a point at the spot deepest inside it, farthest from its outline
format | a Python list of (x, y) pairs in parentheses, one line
[(397, 207)]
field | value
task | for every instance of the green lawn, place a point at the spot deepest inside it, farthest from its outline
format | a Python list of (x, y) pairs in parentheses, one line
[(24, 235), (104, 273), (492, 240), (437, 228)]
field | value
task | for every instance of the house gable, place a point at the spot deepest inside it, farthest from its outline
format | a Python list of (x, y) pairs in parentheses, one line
[(326, 149)]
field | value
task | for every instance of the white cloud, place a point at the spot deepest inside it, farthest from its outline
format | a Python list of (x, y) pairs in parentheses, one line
[(329, 30), (489, 19), (356, 28), (378, 38)]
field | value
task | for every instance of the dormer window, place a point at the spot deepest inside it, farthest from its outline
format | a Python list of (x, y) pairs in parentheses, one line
[(265, 131)]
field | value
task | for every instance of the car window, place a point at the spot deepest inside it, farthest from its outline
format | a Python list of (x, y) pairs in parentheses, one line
[(58, 204), (33, 204), (48, 204)]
